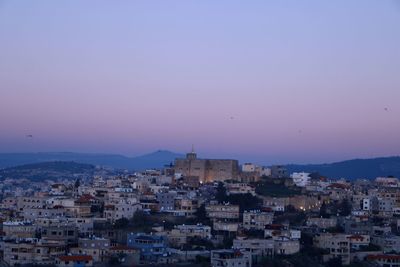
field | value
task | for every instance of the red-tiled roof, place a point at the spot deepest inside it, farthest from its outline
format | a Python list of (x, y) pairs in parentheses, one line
[(238, 253), (274, 226), (339, 185), (85, 198), (122, 247), (356, 237), (76, 258), (267, 209), (383, 257)]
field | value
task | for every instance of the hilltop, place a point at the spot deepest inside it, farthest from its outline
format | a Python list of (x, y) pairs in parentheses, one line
[(353, 169), (48, 170), (153, 160), (350, 169)]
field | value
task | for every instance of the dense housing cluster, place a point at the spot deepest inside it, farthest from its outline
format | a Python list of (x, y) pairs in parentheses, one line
[(203, 213)]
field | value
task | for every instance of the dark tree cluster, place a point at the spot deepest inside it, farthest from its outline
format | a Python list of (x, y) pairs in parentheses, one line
[(244, 201)]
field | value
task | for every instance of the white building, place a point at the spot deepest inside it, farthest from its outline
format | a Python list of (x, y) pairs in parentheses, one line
[(231, 258), (197, 230), (387, 181), (385, 206), (323, 223), (239, 188), (249, 167), (276, 231), (286, 246), (339, 245), (256, 219), (264, 171), (258, 248), (113, 212), (370, 204), (301, 179)]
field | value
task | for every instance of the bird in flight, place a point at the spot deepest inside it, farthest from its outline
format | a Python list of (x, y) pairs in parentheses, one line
[(29, 136)]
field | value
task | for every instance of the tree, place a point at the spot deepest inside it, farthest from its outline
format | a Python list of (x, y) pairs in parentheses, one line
[(221, 193), (254, 233), (227, 242), (121, 223), (334, 262), (203, 261), (345, 208), (306, 240), (245, 201), (97, 208), (139, 219), (290, 208), (114, 260), (201, 215), (199, 243), (323, 211), (336, 229)]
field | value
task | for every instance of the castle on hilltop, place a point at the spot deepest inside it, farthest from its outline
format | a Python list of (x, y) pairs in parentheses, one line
[(208, 170)]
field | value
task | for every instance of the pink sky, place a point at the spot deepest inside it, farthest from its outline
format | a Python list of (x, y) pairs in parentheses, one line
[(309, 82)]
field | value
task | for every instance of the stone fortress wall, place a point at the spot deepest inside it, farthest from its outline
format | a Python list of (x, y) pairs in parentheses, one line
[(208, 170)]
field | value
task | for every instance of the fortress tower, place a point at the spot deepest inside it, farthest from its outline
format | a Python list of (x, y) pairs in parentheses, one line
[(208, 170)]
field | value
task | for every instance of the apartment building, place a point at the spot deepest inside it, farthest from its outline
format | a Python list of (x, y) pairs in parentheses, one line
[(231, 258), (256, 220)]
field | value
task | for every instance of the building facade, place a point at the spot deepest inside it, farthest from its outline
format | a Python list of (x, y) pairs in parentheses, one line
[(208, 170)]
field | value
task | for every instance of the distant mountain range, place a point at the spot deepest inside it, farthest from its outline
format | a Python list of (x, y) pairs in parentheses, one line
[(354, 169), (153, 160), (56, 170), (350, 169)]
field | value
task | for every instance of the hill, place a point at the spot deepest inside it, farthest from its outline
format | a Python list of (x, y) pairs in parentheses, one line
[(48, 170), (153, 160), (353, 169), (350, 169)]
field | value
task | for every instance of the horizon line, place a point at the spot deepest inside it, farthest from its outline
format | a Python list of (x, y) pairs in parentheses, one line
[(172, 152)]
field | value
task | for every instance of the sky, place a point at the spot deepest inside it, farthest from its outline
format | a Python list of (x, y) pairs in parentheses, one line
[(264, 81)]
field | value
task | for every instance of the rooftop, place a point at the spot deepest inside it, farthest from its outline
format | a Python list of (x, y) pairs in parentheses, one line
[(76, 258)]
